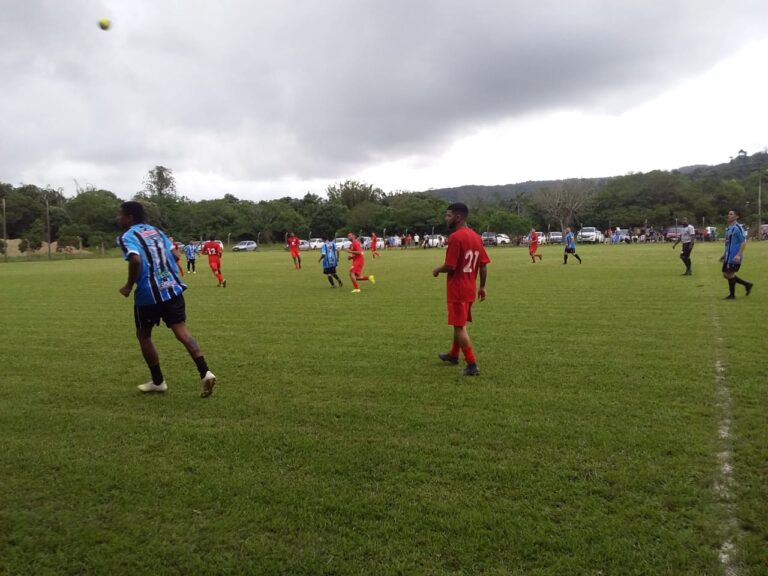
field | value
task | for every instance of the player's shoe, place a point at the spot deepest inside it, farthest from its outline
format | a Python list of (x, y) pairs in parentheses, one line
[(730, 297), (372, 279), (356, 291), (207, 383), (749, 288), (150, 387), (448, 358), (471, 370), (224, 284)]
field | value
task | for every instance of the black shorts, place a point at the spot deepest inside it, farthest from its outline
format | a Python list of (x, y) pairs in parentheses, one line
[(570, 250), (687, 248), (732, 267), (171, 312), (331, 270)]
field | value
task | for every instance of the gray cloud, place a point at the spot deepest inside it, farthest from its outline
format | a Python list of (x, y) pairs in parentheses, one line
[(263, 91)]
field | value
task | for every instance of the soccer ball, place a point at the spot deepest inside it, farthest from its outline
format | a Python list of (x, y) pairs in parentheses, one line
[(104, 23)]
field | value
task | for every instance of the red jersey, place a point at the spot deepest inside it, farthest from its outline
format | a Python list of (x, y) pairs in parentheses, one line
[(373, 242), (357, 258), (211, 249), (293, 243), (534, 238), (465, 254)]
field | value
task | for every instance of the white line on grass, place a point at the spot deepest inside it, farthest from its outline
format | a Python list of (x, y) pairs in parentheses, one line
[(725, 480)]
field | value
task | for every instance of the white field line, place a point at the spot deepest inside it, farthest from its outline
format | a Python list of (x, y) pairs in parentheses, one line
[(725, 482)]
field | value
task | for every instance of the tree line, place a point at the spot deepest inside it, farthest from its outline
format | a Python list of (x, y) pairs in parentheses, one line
[(657, 199)]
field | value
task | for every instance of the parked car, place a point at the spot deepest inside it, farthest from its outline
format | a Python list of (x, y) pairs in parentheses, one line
[(315, 243), (245, 246), (303, 245), (672, 233), (589, 234), (555, 237), (489, 238), (502, 240), (342, 243), (365, 242), (434, 240), (621, 235)]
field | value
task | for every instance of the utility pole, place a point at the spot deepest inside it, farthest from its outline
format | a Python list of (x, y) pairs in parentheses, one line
[(5, 236), (48, 226)]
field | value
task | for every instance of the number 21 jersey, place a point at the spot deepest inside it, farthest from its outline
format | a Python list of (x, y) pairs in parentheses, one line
[(465, 254)]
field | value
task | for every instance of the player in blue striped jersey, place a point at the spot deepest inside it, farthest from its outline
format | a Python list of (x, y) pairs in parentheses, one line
[(330, 259), (735, 242), (159, 294), (570, 246)]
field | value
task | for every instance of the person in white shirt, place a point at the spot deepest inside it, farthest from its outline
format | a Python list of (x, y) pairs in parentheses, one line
[(687, 235)]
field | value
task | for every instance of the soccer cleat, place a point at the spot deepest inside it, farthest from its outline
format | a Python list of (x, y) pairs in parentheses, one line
[(471, 370), (224, 284), (356, 291), (749, 288), (150, 387), (372, 279), (730, 297), (448, 358), (207, 383)]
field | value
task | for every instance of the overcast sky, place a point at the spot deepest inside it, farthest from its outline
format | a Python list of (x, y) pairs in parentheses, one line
[(267, 98)]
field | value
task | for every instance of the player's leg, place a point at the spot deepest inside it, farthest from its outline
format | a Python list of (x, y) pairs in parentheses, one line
[(577, 257), (353, 278), (330, 280), (149, 352), (728, 275), (461, 335), (145, 318), (338, 279), (565, 257), (183, 335)]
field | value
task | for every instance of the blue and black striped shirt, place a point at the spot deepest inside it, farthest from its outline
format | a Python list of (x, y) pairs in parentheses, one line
[(159, 278)]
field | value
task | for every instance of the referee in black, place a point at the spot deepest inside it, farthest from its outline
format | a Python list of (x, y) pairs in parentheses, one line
[(687, 235)]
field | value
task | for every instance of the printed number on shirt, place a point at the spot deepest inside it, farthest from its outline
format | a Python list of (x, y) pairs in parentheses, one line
[(470, 259)]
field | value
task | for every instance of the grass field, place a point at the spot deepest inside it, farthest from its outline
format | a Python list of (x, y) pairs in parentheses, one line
[(336, 443)]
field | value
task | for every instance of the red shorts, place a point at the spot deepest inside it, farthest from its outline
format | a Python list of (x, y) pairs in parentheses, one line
[(214, 263), (357, 268), (294, 253), (533, 247), (459, 313)]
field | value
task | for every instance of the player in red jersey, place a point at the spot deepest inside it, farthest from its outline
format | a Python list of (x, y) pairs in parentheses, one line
[(176, 256), (533, 246), (464, 258), (374, 247), (293, 245), (358, 261), (213, 250)]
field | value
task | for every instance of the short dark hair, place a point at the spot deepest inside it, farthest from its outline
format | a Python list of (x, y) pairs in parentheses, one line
[(211, 237), (736, 210), (133, 209), (459, 208)]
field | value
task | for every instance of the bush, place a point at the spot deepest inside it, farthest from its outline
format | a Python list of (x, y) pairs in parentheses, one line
[(30, 244), (2, 247)]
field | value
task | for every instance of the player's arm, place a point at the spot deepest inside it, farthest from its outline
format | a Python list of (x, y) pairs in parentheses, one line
[(483, 273), (134, 267), (676, 242), (444, 269), (737, 258)]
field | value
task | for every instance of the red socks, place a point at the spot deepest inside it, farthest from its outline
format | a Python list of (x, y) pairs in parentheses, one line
[(454, 350), (469, 355)]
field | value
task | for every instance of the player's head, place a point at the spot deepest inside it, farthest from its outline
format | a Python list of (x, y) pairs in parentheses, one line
[(733, 215), (456, 214), (684, 221), (351, 236), (130, 213), (567, 229), (211, 237)]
